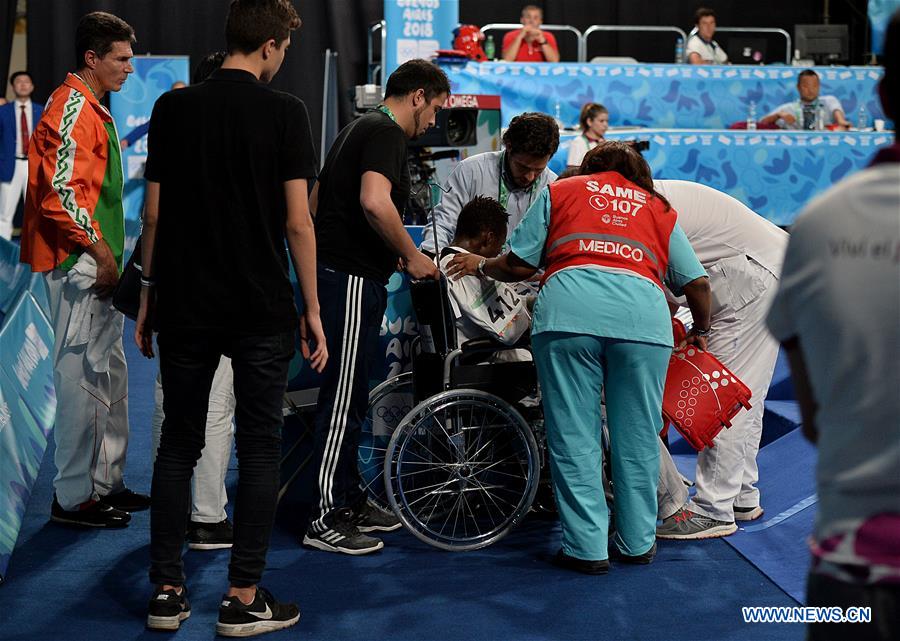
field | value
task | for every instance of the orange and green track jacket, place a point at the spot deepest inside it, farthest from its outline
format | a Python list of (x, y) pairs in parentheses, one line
[(75, 181)]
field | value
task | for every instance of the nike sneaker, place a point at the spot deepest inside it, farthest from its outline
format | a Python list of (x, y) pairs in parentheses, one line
[(265, 614)]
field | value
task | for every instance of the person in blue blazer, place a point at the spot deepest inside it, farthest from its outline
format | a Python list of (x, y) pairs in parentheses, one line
[(17, 121)]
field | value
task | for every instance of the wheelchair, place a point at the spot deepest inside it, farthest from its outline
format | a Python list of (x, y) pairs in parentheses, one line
[(447, 446)]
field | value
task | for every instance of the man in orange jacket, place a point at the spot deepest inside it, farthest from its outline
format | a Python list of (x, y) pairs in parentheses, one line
[(74, 233)]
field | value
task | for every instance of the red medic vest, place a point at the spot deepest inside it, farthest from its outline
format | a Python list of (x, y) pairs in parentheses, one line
[(607, 222)]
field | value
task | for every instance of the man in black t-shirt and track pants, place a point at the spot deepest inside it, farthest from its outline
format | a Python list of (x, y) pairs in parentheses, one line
[(227, 173), (360, 238)]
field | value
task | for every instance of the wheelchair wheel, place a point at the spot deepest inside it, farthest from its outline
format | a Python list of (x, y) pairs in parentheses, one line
[(389, 403), (462, 469)]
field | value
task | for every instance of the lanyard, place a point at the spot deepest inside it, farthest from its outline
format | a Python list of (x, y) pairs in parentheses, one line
[(590, 142), (503, 190), (383, 108), (84, 82)]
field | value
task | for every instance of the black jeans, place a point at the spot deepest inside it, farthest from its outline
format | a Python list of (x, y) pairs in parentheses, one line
[(188, 362), (824, 591)]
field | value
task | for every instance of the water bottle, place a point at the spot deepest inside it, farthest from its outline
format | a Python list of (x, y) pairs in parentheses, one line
[(820, 117), (557, 116), (751, 116), (862, 118), (679, 51), (490, 50)]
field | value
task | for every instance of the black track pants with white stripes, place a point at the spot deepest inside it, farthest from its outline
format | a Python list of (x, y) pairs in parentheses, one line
[(351, 311)]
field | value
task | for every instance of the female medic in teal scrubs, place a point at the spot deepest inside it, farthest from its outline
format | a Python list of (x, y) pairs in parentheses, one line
[(607, 244)]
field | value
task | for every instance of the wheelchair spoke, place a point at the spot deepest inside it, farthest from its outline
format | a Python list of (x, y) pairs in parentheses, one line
[(431, 470), (449, 438), (488, 495), (374, 467), (503, 488), (437, 501), (436, 492), (453, 511), (426, 448), (485, 486), (490, 469), (489, 443), (474, 518)]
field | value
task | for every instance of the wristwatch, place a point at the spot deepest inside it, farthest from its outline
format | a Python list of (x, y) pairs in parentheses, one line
[(480, 270), (696, 331)]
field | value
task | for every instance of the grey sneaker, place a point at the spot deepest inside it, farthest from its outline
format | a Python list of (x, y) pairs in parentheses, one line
[(685, 524), (747, 513), (340, 535), (371, 518)]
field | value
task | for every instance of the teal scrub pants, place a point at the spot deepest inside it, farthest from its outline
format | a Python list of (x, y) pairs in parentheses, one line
[(572, 369)]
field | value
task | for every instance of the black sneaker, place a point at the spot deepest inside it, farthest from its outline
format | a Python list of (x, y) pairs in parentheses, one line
[(563, 560), (265, 614), (168, 609), (210, 536), (340, 535), (371, 518), (90, 514), (127, 501), (640, 559)]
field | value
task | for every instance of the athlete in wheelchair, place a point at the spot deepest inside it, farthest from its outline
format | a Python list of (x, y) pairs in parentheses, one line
[(455, 447)]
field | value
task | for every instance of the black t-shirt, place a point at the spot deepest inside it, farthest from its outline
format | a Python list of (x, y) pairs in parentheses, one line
[(222, 151), (345, 240)]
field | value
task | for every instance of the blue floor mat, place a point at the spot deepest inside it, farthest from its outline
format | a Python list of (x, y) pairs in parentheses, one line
[(776, 543), (87, 585)]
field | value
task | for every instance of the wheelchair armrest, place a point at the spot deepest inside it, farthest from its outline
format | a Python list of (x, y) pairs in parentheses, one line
[(486, 343)]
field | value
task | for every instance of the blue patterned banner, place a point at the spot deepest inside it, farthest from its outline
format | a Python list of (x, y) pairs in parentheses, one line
[(661, 96), (880, 12), (14, 276), (775, 173), (27, 410), (417, 29), (131, 109)]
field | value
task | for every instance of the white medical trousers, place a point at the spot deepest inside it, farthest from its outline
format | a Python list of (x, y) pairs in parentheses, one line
[(742, 292)]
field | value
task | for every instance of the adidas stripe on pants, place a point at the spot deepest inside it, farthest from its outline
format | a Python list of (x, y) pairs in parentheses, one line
[(351, 310)]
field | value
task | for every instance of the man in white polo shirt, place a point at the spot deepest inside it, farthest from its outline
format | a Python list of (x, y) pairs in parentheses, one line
[(514, 177), (742, 252), (701, 49)]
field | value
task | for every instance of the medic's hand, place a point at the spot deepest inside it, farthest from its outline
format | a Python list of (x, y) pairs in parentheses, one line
[(463, 265)]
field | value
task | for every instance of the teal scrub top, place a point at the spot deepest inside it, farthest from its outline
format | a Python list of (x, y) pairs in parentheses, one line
[(600, 303)]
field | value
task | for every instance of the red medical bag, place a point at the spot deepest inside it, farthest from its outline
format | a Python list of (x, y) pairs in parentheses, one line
[(701, 395)]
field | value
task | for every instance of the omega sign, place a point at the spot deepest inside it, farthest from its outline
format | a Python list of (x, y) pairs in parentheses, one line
[(472, 101)]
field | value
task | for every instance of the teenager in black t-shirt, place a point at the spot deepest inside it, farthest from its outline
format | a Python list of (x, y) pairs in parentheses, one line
[(361, 239), (227, 173)]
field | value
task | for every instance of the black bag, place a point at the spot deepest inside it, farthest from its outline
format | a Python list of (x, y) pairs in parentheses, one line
[(127, 297)]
